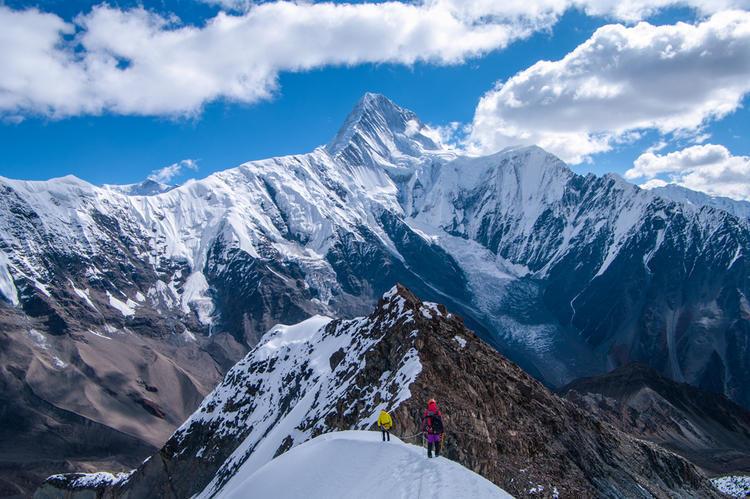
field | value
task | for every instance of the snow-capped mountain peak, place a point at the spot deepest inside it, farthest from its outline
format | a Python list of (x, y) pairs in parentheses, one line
[(379, 132), (148, 187)]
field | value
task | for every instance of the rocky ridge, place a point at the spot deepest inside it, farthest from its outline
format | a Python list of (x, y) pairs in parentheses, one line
[(326, 375)]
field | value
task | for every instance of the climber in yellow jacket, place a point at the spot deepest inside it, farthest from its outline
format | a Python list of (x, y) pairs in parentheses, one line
[(384, 423)]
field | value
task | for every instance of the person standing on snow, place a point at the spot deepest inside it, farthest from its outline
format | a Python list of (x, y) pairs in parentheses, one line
[(384, 423), (432, 426)]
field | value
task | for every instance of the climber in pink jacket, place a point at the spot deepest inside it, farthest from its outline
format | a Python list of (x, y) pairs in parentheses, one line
[(432, 426)]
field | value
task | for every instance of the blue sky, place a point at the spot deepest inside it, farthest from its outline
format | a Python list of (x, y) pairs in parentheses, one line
[(305, 108)]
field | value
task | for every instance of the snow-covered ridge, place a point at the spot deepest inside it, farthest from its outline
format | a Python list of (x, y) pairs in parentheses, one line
[(358, 464), (323, 376), (688, 197), (321, 359)]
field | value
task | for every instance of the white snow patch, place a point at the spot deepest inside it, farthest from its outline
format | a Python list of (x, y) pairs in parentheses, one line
[(461, 341), (125, 308), (188, 336), (99, 334), (58, 362), (194, 293), (357, 464), (41, 287), (92, 480), (733, 486), (282, 335), (38, 338), (390, 293), (7, 285), (84, 294)]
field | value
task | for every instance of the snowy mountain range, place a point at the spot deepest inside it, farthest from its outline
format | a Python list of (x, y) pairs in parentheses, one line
[(322, 376), (129, 292)]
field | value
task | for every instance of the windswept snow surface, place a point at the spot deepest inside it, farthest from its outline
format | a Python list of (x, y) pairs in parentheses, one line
[(358, 464)]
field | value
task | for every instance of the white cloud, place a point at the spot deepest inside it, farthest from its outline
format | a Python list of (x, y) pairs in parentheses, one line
[(672, 78), (231, 5), (140, 62), (709, 168), (36, 72), (166, 174)]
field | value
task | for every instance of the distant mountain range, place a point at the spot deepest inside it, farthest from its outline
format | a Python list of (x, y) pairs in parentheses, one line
[(143, 296)]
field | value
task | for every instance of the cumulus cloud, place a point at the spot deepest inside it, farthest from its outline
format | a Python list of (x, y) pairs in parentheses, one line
[(709, 168), (231, 5), (166, 174), (625, 10), (140, 62), (137, 61), (672, 78)]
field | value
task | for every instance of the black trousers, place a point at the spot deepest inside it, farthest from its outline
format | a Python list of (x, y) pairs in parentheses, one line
[(437, 448), (386, 434)]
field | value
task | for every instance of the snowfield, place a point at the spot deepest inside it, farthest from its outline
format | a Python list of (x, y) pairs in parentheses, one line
[(358, 464), (733, 486)]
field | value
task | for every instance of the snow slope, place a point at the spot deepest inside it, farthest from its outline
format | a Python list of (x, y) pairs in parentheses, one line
[(358, 464), (733, 486)]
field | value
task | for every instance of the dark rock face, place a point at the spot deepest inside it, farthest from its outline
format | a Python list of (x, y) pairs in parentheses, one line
[(704, 427), (499, 421)]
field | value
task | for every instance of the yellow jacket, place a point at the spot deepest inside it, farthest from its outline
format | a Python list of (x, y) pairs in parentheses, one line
[(385, 421)]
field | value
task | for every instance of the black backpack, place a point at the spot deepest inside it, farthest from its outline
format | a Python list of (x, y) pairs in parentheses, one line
[(436, 422)]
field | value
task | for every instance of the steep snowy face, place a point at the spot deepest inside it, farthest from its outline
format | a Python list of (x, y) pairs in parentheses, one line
[(572, 270), (380, 133), (529, 208)]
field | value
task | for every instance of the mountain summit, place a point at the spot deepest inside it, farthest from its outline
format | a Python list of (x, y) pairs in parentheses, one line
[(378, 132)]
